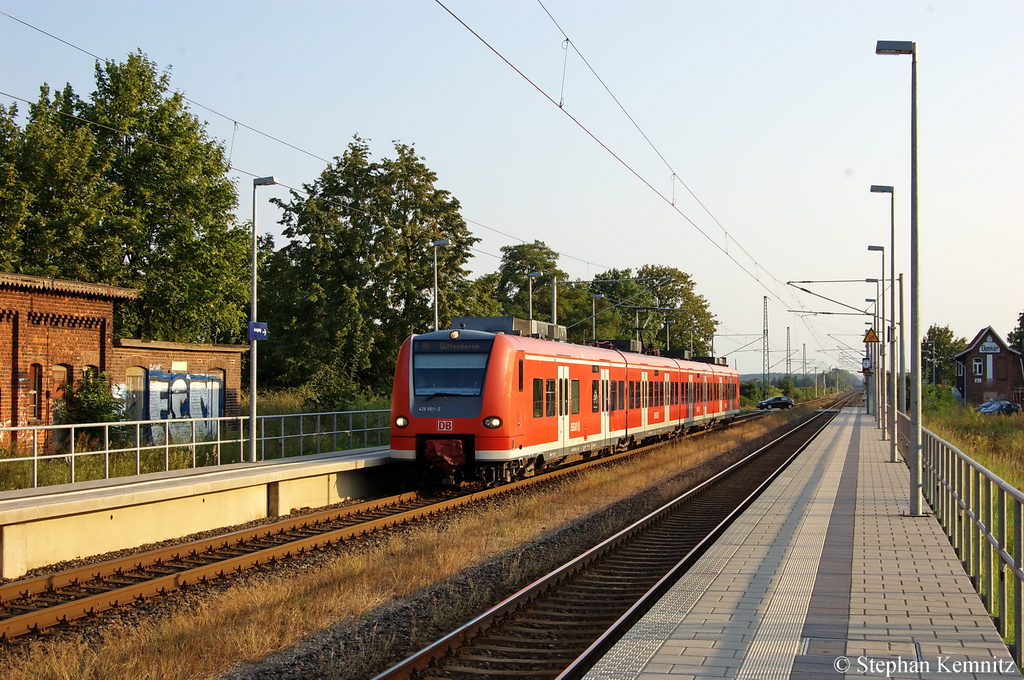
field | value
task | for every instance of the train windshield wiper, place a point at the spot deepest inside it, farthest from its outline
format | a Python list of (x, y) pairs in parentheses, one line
[(444, 394)]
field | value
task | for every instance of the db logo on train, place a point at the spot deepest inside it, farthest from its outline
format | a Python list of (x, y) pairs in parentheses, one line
[(446, 426)]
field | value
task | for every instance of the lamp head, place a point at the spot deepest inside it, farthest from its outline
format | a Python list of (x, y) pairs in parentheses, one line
[(881, 189), (877, 248), (442, 242), (264, 181), (895, 47)]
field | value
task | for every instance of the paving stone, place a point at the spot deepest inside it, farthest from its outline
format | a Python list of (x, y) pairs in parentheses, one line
[(829, 535)]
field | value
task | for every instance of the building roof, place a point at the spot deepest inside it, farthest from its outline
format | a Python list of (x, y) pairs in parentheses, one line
[(134, 343), (985, 335), (24, 282)]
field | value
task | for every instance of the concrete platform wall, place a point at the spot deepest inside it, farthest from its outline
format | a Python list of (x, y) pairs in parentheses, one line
[(86, 520)]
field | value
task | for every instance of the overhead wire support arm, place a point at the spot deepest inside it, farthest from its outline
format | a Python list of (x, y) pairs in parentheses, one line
[(841, 304)]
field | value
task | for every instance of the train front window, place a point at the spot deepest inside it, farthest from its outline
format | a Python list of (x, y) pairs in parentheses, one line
[(449, 368)]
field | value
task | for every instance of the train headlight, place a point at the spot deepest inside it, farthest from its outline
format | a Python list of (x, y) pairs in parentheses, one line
[(401, 421), (492, 422)]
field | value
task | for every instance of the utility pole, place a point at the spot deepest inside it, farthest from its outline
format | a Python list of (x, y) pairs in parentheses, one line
[(789, 358), (805, 364), (766, 364)]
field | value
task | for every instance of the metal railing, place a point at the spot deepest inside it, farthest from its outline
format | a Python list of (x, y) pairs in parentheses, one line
[(983, 517), (41, 455)]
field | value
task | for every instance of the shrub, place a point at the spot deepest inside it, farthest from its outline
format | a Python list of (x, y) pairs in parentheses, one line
[(88, 400)]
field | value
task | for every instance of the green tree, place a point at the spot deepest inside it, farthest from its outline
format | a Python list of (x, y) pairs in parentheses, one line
[(674, 289), (512, 288), (181, 246), (126, 188), (945, 347), (88, 400), (356, 277), (1016, 337)]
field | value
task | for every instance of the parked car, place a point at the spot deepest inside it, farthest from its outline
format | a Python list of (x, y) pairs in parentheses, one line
[(775, 402), (1003, 407)]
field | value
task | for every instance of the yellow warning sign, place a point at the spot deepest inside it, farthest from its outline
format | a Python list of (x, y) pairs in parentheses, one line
[(870, 336)]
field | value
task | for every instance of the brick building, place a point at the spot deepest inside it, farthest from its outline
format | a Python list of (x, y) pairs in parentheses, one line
[(989, 370), (54, 331)]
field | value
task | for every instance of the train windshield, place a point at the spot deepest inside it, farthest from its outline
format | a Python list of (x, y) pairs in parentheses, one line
[(449, 368)]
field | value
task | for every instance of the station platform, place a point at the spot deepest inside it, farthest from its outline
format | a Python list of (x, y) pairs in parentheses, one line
[(44, 526), (824, 575)]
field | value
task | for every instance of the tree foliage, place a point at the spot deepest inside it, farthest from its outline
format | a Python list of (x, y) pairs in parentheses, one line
[(356, 277), (946, 346), (126, 188), (1016, 337)]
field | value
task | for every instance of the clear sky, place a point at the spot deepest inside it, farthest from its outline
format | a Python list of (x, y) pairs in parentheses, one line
[(777, 116)]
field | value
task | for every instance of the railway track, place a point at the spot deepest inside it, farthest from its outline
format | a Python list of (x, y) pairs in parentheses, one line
[(558, 626), (34, 605)]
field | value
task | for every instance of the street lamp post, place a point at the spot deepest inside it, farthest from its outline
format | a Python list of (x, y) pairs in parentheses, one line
[(890, 338), (251, 453), (593, 312), (441, 242), (883, 415), (916, 500), (872, 352), (529, 279)]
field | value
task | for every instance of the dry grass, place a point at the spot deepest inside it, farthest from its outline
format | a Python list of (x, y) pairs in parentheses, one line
[(273, 612), (995, 441)]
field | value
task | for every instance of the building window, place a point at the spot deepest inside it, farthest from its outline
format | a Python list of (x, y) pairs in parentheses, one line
[(979, 366), (135, 393), (62, 375), (36, 390)]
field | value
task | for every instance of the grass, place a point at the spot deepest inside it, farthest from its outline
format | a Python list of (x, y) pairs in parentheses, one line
[(995, 441), (275, 611)]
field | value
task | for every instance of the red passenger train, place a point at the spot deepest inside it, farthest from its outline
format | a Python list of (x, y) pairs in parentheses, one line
[(493, 407)]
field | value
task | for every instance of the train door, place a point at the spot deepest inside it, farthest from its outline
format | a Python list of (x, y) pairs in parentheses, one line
[(563, 409), (605, 404), (690, 397), (666, 397), (643, 400)]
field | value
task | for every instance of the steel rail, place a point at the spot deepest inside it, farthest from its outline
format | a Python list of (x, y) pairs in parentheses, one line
[(422, 660), (60, 598), (57, 599)]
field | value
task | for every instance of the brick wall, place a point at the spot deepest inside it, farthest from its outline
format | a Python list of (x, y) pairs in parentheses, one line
[(47, 328), (53, 323), (1001, 376), (175, 357)]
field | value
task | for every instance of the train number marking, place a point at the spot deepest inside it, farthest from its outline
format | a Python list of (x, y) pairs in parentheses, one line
[(446, 426), (574, 427)]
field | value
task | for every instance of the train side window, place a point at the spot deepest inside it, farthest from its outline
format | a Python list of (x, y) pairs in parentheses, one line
[(538, 397), (622, 395), (595, 394), (631, 403), (615, 396), (549, 397), (575, 397), (520, 375)]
